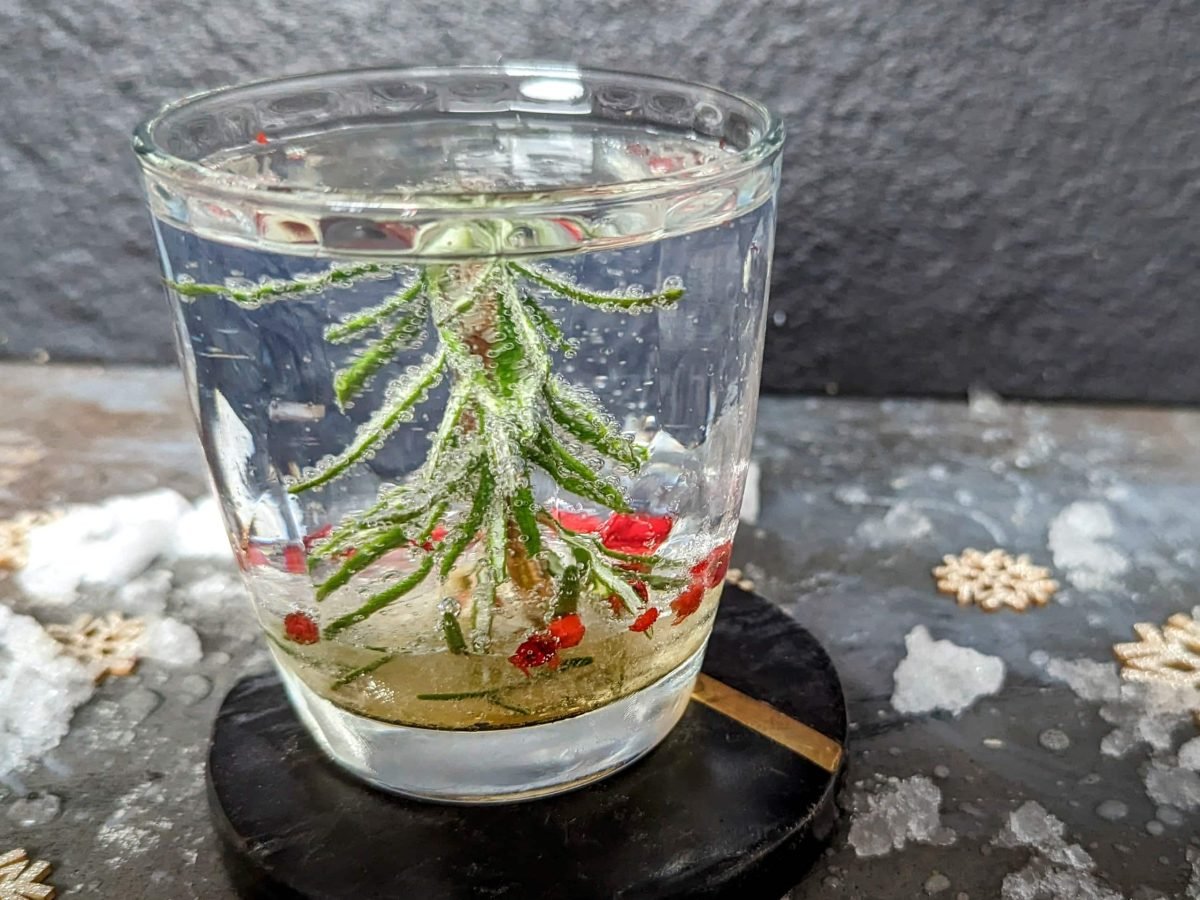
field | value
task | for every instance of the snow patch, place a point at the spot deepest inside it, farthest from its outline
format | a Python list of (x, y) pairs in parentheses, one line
[(107, 545), (103, 545), (1059, 870), (902, 525), (942, 675), (903, 810), (39, 691), (1172, 786), (1079, 543), (172, 642), (1189, 755)]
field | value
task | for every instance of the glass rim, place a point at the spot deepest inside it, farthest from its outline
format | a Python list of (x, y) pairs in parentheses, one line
[(196, 175)]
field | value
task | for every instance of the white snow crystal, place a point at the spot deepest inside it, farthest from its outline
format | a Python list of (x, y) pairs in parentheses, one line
[(942, 675), (1058, 871), (1078, 542), (102, 545), (200, 534), (1142, 713), (39, 691), (1189, 755), (903, 810), (1172, 786), (145, 595), (1090, 680), (984, 405), (902, 525), (172, 642)]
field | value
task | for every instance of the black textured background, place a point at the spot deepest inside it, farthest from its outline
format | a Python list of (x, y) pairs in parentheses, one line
[(994, 192)]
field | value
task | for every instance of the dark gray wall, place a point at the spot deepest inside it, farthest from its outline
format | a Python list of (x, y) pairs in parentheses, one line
[(976, 191)]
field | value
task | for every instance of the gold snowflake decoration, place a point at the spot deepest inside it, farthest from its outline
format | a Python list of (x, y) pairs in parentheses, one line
[(107, 644), (14, 539), (21, 879), (994, 580), (1167, 656)]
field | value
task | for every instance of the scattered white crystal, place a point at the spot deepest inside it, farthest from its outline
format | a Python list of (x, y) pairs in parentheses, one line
[(903, 810), (852, 495), (942, 675), (936, 883), (146, 595), (1189, 755), (1172, 786), (39, 691), (1142, 713), (1079, 543), (1169, 815), (1058, 870), (172, 642), (102, 545), (215, 593), (1090, 680), (1112, 810), (200, 534), (38, 809), (984, 405), (1054, 739), (901, 525)]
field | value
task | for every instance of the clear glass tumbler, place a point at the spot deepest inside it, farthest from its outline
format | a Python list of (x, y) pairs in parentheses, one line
[(474, 354)]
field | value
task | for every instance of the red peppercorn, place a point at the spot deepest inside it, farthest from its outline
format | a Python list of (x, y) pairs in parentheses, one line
[(261, 137), (435, 537), (568, 630), (688, 602), (300, 628), (311, 539), (294, 560), (711, 570), (645, 620), (638, 533), (540, 649)]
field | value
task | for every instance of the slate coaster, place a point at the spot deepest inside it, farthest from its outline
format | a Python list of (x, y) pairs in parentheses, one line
[(717, 810)]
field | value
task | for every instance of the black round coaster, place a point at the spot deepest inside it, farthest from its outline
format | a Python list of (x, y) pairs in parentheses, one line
[(717, 810)]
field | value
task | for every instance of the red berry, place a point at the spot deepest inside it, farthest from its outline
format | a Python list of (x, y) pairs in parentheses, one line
[(711, 570), (540, 649), (435, 537), (261, 137), (311, 539), (584, 523), (645, 620), (688, 602), (638, 533), (294, 560), (568, 630), (300, 628)]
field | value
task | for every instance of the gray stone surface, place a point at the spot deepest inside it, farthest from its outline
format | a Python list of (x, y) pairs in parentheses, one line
[(858, 500), (993, 192)]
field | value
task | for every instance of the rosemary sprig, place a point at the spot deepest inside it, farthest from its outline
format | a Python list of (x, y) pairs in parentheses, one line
[(507, 415)]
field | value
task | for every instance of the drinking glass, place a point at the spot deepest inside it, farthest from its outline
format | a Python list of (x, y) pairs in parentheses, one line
[(474, 355)]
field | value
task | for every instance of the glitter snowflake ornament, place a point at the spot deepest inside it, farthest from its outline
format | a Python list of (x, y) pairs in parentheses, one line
[(994, 580), (107, 644), (21, 879), (1167, 656)]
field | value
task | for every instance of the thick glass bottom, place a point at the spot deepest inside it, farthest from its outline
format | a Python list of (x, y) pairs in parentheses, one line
[(503, 765)]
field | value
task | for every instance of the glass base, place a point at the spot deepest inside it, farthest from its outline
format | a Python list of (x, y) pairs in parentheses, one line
[(503, 765)]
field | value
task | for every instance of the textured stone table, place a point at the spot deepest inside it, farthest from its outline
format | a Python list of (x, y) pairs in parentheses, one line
[(855, 502)]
